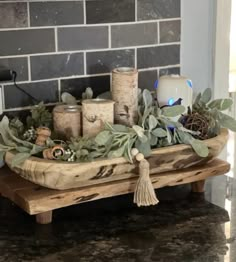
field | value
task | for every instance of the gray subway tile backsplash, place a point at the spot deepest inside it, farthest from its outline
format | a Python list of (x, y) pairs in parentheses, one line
[(158, 56), (82, 38), (70, 45), (18, 64), (56, 13), (133, 34), (28, 41), (43, 91), (58, 65), (110, 11), (170, 31), (105, 61), (13, 15), (76, 86), (158, 9)]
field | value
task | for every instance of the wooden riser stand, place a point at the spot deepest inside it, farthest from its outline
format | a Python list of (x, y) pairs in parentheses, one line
[(41, 201)]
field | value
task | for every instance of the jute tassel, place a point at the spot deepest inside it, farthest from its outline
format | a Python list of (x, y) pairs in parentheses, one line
[(144, 194)]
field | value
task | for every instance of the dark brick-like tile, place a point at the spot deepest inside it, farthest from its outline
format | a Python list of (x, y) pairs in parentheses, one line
[(169, 71), (77, 86), (133, 35), (170, 31), (13, 15), (105, 61), (158, 9), (20, 65), (52, 66), (43, 91), (146, 79), (158, 56), (56, 13), (110, 11), (80, 38), (18, 42)]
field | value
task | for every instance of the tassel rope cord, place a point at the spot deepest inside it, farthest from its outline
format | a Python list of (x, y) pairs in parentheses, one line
[(144, 194)]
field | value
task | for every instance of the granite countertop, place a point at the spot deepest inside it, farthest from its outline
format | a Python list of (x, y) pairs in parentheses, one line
[(115, 230)]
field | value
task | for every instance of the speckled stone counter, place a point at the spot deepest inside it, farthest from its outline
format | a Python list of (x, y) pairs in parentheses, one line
[(182, 230)]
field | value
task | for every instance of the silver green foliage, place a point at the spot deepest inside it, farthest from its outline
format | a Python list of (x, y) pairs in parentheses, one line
[(212, 110), (40, 116), (9, 142)]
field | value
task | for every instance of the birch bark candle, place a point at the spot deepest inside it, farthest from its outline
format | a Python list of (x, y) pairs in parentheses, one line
[(67, 121), (95, 113), (125, 95)]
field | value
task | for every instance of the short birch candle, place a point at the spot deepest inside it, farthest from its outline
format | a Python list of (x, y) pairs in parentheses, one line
[(95, 113), (67, 121), (125, 95)]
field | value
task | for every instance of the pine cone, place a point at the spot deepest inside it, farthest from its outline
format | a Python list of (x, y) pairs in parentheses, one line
[(196, 122)]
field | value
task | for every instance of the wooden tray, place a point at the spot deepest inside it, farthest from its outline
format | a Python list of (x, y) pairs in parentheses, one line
[(63, 175)]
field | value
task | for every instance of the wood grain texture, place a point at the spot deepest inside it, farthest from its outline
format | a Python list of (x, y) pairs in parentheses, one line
[(63, 175), (35, 199)]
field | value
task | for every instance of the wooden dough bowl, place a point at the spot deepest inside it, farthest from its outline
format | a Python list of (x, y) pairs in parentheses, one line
[(63, 175)]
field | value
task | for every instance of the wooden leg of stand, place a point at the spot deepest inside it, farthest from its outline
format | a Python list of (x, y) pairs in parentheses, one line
[(198, 186), (44, 218)]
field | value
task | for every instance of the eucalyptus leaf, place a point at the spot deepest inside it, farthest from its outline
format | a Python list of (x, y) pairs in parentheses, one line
[(153, 140), (184, 138), (2, 155), (139, 130), (159, 132), (36, 149), (120, 128), (19, 159), (221, 104), (197, 99), (22, 149), (143, 148), (228, 122), (5, 134), (147, 98), (68, 99), (152, 121), (169, 136), (117, 153), (102, 138), (173, 111), (200, 148), (206, 96)]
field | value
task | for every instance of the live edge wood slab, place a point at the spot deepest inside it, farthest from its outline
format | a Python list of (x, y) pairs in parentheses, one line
[(41, 201), (66, 175)]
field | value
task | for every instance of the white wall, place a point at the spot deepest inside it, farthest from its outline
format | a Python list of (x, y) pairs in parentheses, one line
[(205, 44), (196, 42)]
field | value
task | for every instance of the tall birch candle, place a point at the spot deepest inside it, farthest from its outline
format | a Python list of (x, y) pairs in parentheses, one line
[(67, 121), (125, 95), (95, 113)]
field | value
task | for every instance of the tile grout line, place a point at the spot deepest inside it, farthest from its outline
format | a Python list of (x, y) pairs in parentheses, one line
[(158, 33), (90, 25), (136, 10), (29, 68), (85, 63), (84, 11), (109, 36), (94, 50), (28, 13), (56, 39), (59, 90), (136, 58)]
